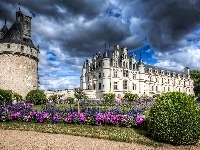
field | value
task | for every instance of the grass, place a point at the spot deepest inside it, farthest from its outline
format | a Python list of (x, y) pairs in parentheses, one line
[(118, 134)]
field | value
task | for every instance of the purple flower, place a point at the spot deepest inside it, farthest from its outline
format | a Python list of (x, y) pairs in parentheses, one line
[(139, 119)]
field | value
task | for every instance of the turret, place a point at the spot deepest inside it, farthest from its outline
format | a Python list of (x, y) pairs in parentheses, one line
[(141, 76), (83, 80), (187, 72), (106, 70)]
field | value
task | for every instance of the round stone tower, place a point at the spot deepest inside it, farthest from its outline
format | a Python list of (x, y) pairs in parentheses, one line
[(18, 57)]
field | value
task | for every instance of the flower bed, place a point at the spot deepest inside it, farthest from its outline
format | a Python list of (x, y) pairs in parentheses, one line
[(24, 112)]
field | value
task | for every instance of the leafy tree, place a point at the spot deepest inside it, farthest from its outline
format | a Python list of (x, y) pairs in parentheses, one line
[(37, 97), (5, 96), (109, 97), (54, 97), (79, 94), (195, 76), (130, 96), (70, 100)]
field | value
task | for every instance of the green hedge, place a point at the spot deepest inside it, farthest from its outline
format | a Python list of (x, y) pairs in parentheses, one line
[(175, 118)]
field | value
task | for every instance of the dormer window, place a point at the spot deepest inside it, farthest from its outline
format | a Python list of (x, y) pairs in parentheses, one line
[(8, 45)]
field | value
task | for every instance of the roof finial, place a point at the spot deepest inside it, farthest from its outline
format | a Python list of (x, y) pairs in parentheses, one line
[(19, 6), (105, 45), (109, 46), (5, 21)]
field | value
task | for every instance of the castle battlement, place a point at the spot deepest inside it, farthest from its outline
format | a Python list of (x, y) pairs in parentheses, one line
[(19, 49)]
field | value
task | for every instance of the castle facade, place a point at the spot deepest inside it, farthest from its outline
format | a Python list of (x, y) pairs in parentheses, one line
[(19, 57), (116, 72)]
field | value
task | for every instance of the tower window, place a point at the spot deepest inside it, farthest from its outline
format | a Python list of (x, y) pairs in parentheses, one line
[(134, 76), (134, 86), (8, 45), (115, 85), (115, 74), (99, 86), (99, 74)]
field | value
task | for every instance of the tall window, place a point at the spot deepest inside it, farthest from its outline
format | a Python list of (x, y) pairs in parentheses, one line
[(168, 88), (94, 86), (115, 85), (99, 86), (156, 88), (115, 74), (99, 74), (134, 86), (134, 76), (125, 73), (168, 81), (125, 84), (152, 88), (162, 80)]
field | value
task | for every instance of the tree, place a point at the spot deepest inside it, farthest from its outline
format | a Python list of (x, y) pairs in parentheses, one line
[(37, 97), (79, 94), (195, 76), (130, 96), (109, 97), (55, 97)]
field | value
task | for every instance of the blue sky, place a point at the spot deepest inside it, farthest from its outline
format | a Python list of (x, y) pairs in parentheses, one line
[(166, 32)]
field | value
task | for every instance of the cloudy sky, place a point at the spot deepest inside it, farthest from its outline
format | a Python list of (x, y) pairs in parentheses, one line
[(167, 32)]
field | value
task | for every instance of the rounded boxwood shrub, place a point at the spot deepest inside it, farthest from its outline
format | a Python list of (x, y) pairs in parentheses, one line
[(36, 97), (174, 118), (5, 96)]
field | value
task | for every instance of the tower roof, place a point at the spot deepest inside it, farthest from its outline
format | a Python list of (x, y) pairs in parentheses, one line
[(4, 29), (15, 33)]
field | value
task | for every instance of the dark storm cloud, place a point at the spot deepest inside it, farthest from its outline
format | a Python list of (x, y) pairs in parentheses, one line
[(165, 23), (169, 22)]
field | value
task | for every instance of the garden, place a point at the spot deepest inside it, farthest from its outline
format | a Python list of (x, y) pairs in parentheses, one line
[(172, 118)]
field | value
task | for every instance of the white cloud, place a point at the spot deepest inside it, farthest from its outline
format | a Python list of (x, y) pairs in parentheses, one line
[(185, 57)]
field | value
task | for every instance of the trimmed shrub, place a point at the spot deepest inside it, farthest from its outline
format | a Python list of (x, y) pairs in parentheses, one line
[(130, 96), (5, 96), (109, 97), (174, 118), (36, 97), (17, 97)]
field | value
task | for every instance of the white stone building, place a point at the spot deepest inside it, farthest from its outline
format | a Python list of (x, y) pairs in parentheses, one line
[(116, 72), (65, 93)]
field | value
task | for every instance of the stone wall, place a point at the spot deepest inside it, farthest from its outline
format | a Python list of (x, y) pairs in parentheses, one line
[(18, 73)]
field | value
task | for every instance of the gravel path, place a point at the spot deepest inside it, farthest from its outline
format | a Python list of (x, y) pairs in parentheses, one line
[(31, 140)]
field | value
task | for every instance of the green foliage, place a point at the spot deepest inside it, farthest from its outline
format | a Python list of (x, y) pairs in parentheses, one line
[(55, 97), (195, 76), (80, 95), (175, 118), (17, 96), (5, 96), (109, 97), (70, 100), (130, 96), (37, 97), (156, 96)]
